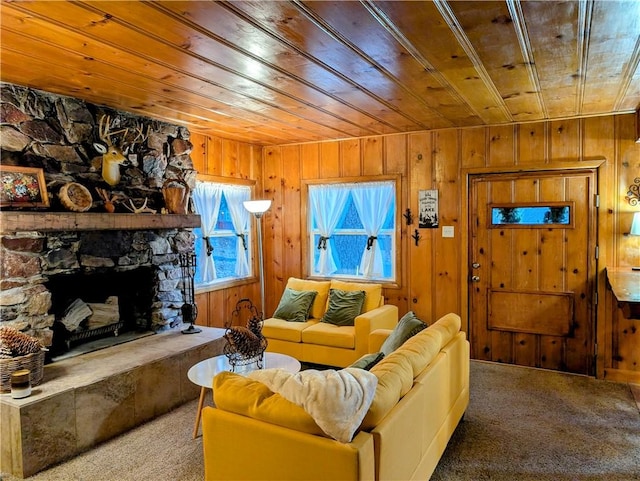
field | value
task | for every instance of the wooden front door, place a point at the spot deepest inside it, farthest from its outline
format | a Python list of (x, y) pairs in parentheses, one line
[(532, 281)]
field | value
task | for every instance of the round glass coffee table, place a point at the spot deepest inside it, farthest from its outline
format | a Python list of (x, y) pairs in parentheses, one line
[(203, 373)]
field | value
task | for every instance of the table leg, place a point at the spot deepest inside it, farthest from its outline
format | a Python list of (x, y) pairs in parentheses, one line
[(199, 413)]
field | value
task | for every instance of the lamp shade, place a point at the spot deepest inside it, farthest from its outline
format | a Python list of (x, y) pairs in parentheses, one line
[(635, 224), (257, 206)]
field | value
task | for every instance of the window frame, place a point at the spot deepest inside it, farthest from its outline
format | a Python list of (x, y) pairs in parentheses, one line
[(520, 205), (305, 227), (253, 276)]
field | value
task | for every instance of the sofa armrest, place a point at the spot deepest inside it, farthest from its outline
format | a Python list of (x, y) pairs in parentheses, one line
[(377, 338), (383, 317), (279, 453)]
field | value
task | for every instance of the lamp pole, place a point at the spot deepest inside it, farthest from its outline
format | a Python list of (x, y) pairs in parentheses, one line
[(260, 261), (258, 208)]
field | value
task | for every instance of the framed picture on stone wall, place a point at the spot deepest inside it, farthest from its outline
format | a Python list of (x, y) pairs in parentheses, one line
[(22, 187)]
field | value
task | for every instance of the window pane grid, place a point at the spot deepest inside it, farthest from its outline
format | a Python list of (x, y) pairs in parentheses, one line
[(221, 240), (345, 246)]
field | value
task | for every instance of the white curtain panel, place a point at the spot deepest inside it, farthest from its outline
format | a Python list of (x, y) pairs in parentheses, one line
[(206, 199), (240, 217), (327, 202), (372, 201)]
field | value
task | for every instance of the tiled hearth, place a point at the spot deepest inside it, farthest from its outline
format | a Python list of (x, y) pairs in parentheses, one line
[(88, 399)]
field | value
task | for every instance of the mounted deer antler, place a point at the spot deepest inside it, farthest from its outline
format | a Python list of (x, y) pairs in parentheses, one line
[(112, 156), (139, 137), (140, 210)]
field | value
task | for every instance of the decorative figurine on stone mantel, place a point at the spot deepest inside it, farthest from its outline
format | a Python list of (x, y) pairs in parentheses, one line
[(109, 199), (176, 195)]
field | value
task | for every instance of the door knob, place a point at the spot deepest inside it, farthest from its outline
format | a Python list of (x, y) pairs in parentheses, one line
[(475, 278)]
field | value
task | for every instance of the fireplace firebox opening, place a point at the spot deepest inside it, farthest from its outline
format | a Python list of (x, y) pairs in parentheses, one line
[(100, 304)]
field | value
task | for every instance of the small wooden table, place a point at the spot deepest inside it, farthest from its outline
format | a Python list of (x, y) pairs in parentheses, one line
[(625, 285), (203, 373)]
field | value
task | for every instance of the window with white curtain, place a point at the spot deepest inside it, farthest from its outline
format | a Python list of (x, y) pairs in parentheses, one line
[(352, 230), (223, 242)]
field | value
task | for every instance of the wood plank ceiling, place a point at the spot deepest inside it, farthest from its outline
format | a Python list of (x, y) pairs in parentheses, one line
[(277, 72)]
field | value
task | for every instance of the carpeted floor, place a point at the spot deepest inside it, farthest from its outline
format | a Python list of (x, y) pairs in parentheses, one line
[(522, 424), (529, 424)]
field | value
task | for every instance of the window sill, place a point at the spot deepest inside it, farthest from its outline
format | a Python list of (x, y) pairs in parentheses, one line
[(218, 286)]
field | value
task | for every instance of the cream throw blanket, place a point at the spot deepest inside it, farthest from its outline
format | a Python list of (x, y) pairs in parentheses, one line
[(337, 400)]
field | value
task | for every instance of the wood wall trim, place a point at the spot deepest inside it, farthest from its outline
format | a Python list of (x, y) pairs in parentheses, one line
[(589, 164), (225, 180)]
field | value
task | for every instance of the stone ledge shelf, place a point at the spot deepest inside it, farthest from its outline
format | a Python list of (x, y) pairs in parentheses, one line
[(67, 221), (86, 400)]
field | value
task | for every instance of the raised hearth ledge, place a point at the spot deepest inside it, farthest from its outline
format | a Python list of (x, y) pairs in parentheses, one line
[(13, 221), (88, 399)]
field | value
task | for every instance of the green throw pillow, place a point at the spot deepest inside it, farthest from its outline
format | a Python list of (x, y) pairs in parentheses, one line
[(408, 326), (295, 305), (344, 306), (367, 361)]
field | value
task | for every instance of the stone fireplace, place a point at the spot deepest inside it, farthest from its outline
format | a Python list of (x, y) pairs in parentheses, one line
[(50, 257)]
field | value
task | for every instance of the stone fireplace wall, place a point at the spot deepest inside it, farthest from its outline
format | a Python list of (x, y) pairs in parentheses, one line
[(57, 134)]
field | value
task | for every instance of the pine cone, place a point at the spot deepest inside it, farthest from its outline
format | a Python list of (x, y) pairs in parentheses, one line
[(243, 340), (255, 325), (18, 343)]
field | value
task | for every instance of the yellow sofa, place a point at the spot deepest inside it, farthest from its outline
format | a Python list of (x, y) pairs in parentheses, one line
[(421, 394), (318, 342)]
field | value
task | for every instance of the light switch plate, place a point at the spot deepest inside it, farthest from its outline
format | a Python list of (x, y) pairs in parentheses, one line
[(447, 231)]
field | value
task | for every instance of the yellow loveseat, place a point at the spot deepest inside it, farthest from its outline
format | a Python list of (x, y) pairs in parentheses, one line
[(319, 342), (422, 393)]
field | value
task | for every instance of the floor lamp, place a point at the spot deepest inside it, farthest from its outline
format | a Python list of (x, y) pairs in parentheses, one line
[(258, 208)]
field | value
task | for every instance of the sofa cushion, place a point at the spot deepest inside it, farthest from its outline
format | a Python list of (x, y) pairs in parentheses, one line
[(448, 326), (373, 295), (247, 397), (395, 378), (344, 307), (295, 305), (367, 361), (321, 287), (336, 399), (397, 371), (326, 334), (284, 330), (407, 327)]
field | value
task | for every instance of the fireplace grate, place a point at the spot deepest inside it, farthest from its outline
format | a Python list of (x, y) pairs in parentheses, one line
[(91, 333)]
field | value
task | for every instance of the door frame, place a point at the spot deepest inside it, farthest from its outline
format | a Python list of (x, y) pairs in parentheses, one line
[(598, 270)]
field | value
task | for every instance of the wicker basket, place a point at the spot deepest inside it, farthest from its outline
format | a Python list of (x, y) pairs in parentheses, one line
[(33, 362)]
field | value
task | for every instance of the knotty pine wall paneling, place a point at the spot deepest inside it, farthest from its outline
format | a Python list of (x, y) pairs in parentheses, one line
[(274, 226), (230, 159), (433, 277), (420, 285), (621, 332), (395, 163), (447, 253)]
